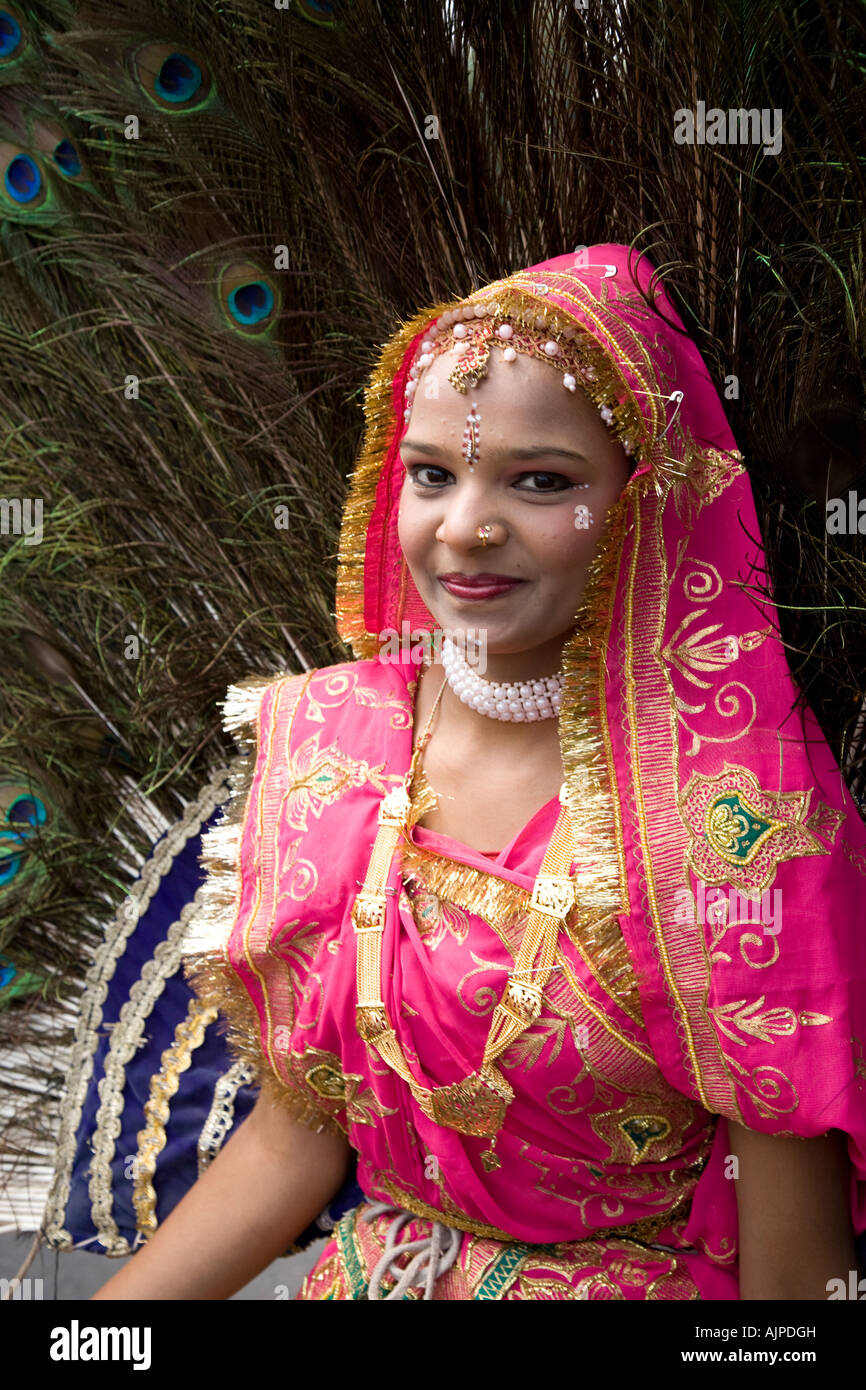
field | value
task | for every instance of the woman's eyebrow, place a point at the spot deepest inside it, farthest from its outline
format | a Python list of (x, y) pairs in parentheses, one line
[(528, 451)]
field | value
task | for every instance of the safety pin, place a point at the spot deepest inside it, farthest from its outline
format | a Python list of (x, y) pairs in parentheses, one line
[(676, 396), (581, 264)]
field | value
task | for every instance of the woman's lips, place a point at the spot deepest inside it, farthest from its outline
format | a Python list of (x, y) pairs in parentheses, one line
[(478, 586)]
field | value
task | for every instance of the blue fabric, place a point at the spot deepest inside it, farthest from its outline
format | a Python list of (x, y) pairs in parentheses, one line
[(177, 1165)]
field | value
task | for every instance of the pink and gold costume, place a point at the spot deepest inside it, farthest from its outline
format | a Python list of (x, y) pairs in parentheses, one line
[(713, 966)]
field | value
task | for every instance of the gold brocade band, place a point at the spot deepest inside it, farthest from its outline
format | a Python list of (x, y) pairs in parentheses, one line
[(477, 1103)]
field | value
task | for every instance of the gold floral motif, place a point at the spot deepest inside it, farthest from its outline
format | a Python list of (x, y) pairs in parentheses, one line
[(486, 998), (319, 777), (704, 651), (709, 473), (825, 821), (741, 833), (527, 1049), (334, 687), (781, 1021), (322, 1073), (435, 918), (646, 1128)]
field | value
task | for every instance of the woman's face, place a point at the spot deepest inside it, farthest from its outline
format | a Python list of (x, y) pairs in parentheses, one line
[(537, 443)]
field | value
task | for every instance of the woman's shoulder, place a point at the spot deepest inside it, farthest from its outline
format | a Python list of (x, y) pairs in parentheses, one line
[(368, 683)]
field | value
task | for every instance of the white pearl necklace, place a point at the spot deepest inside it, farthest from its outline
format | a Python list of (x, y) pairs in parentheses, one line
[(517, 702)]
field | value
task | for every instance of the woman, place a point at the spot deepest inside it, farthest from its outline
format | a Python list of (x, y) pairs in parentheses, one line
[(572, 964)]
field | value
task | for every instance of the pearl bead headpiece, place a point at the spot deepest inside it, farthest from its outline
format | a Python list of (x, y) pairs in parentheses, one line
[(483, 327)]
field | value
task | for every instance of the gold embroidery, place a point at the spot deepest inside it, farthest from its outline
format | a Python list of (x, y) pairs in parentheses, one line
[(780, 1021), (188, 1035), (710, 472), (527, 1049), (434, 882), (333, 688), (771, 1090), (322, 1073), (645, 1230), (637, 1131), (669, 1191), (655, 772), (703, 651), (207, 969), (433, 917), (740, 833), (474, 890), (319, 777), (825, 821), (858, 860)]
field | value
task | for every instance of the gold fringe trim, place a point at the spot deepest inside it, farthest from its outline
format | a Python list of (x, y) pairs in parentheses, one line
[(207, 969), (381, 423), (494, 899)]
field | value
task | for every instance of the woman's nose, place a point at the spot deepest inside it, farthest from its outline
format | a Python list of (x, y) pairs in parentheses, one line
[(468, 507)]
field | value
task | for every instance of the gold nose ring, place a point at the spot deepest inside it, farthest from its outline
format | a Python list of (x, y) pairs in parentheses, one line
[(484, 533)]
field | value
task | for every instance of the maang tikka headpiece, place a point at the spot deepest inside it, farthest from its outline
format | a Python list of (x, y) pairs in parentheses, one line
[(483, 327)]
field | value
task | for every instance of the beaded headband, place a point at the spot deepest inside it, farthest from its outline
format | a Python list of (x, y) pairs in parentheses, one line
[(482, 327)]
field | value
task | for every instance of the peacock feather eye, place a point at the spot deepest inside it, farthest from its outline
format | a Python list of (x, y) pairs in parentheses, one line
[(54, 144), (318, 11), (174, 79), (23, 183), (12, 36), (66, 157), (21, 812), (249, 298)]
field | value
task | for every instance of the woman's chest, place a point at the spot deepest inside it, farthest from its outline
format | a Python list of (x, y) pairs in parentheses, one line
[(484, 805)]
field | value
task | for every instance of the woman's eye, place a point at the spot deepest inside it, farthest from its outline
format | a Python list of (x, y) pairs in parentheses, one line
[(416, 470), (549, 482)]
